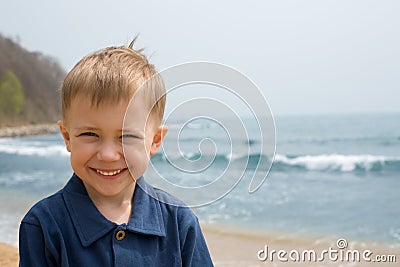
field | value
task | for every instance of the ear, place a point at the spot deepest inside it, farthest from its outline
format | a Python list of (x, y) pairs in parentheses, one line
[(64, 132), (157, 139)]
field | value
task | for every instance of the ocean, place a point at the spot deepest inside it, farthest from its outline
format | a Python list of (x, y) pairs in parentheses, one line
[(336, 175)]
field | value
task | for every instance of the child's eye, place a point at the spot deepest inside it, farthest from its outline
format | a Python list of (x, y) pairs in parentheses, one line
[(88, 134), (129, 136)]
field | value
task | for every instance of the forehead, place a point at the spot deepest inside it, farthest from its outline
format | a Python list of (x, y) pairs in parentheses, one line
[(139, 111), (109, 114), (82, 110)]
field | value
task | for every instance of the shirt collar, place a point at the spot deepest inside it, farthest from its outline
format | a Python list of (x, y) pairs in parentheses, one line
[(91, 225)]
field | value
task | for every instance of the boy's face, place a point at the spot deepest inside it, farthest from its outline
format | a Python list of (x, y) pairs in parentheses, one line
[(94, 137)]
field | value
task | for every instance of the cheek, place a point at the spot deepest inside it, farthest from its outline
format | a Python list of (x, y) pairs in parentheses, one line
[(77, 159), (80, 153), (137, 161)]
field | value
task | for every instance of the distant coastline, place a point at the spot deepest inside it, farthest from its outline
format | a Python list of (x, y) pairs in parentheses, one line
[(28, 130)]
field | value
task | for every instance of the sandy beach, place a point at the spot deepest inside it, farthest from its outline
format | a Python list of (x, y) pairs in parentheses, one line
[(8, 256), (230, 247)]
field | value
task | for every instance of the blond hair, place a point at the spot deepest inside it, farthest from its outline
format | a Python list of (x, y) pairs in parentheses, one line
[(114, 74)]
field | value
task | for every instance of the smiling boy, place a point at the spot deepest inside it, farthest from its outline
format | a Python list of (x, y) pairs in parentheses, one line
[(104, 215)]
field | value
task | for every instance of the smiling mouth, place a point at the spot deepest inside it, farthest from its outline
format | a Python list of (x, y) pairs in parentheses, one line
[(109, 173)]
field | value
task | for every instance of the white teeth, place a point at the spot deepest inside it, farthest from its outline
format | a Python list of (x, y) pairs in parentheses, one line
[(108, 173)]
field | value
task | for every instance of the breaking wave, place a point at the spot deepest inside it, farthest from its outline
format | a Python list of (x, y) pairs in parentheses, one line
[(323, 162)]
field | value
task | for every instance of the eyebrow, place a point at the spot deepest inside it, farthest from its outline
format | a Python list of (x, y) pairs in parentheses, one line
[(84, 128), (133, 130)]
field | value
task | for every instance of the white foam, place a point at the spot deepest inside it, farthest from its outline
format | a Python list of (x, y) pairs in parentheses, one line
[(54, 150), (345, 163)]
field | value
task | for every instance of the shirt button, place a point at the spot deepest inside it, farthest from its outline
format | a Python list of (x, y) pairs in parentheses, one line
[(120, 235)]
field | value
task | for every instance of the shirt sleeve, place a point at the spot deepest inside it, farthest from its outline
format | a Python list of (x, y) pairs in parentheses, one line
[(32, 247), (194, 248)]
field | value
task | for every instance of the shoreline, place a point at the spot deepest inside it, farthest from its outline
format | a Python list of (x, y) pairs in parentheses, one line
[(29, 130), (231, 246)]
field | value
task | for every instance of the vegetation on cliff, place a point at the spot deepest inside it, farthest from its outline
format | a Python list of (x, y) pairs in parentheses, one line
[(29, 83)]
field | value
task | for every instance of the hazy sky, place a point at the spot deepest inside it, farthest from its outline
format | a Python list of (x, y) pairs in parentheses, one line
[(307, 56)]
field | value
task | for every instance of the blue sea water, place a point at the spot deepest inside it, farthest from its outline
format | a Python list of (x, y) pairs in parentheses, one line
[(331, 175)]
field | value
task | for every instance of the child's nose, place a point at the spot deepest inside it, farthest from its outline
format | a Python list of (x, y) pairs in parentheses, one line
[(109, 151)]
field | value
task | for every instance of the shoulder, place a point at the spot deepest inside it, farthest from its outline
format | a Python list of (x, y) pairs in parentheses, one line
[(171, 207), (55, 207), (169, 202), (167, 198), (44, 208)]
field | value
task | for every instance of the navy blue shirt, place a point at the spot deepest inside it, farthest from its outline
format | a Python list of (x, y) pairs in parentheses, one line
[(66, 229)]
